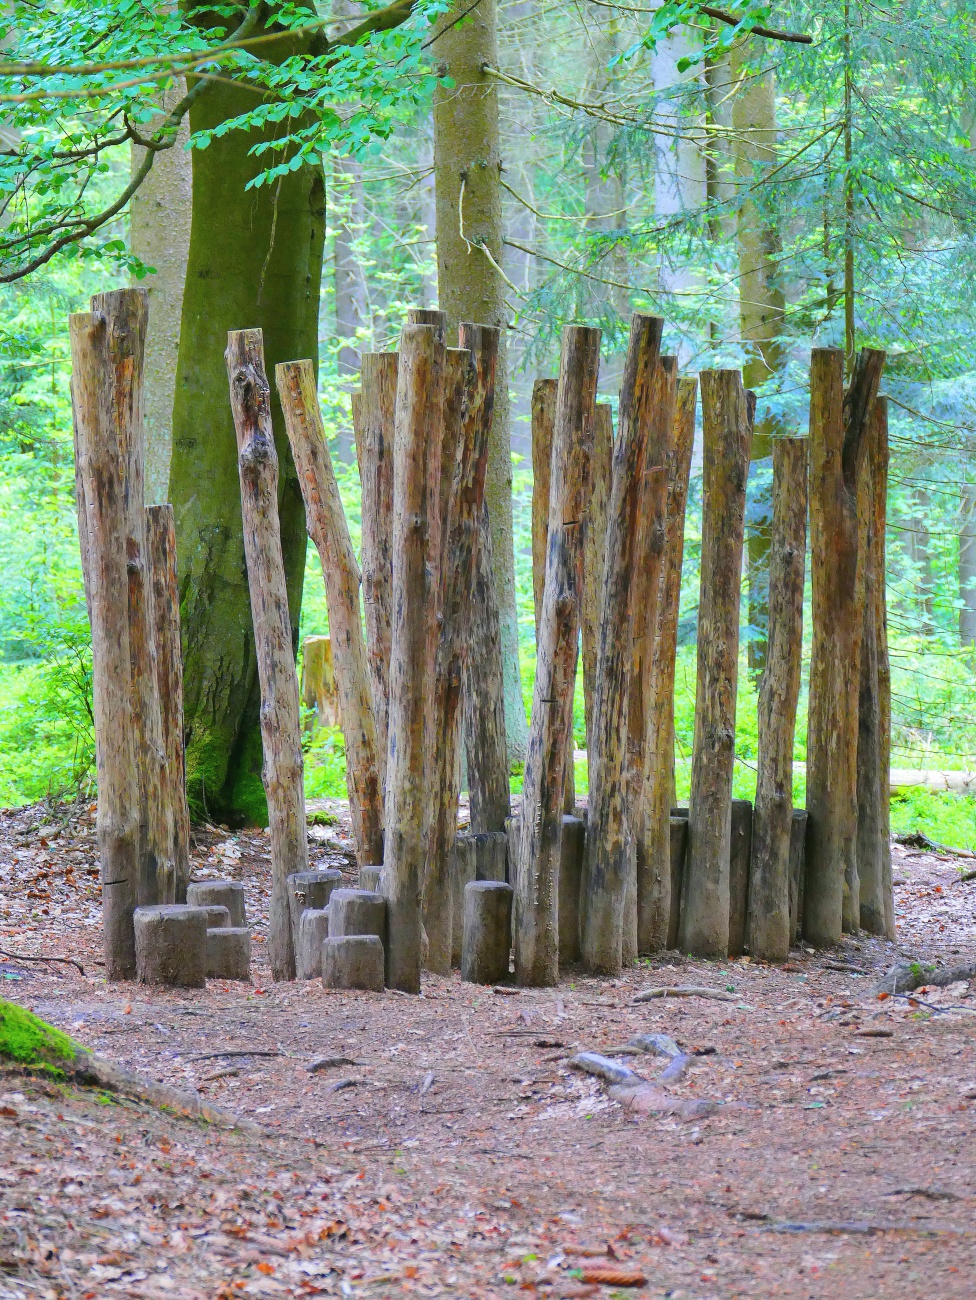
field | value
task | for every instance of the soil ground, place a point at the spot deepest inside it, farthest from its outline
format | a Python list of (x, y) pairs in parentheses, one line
[(448, 1150)]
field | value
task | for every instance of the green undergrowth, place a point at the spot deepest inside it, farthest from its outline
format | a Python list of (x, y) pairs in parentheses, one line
[(28, 1041)]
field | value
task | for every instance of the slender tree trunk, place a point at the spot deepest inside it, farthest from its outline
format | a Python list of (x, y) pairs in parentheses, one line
[(536, 925), (967, 565), (654, 871), (727, 411), (250, 400), (837, 426), (594, 553), (295, 381), (609, 852), (467, 166), (779, 689), (884, 665), (543, 416), (484, 697)]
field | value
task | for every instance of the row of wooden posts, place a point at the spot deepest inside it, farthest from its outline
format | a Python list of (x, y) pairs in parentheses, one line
[(425, 678)]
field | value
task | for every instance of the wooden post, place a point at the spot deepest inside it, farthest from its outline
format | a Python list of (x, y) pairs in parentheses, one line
[(484, 697), (654, 867), (543, 416), (257, 462), (417, 438), (779, 688), (609, 853), (464, 521), (328, 530), (165, 605), (376, 412), (727, 412), (319, 690), (873, 746), (103, 529), (126, 312), (536, 926), (594, 548), (837, 426)]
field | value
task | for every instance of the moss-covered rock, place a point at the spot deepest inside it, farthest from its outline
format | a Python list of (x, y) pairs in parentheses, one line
[(29, 1041)]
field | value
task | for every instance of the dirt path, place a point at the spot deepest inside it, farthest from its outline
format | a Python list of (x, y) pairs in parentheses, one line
[(448, 1150)]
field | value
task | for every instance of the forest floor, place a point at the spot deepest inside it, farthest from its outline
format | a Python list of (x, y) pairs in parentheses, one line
[(445, 1148)]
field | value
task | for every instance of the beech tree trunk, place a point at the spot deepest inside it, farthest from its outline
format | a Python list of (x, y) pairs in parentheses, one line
[(536, 924), (654, 902), (609, 853), (594, 552), (250, 400), (417, 439), (319, 684), (327, 528), (727, 412), (779, 688), (543, 416), (837, 427), (102, 524), (484, 697)]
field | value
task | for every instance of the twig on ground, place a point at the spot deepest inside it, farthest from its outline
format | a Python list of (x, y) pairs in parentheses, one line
[(18, 956), (688, 991), (236, 1051)]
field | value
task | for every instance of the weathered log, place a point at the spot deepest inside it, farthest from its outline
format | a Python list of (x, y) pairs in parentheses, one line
[(464, 518), (838, 422), (431, 316), (417, 437), (740, 852), (779, 688), (571, 856), (543, 415), (484, 697), (171, 945), (319, 690), (609, 851), (798, 871), (250, 399), (353, 961), (873, 744), (594, 552), (161, 551), (536, 925), (376, 415), (654, 901), (487, 937), (219, 893), (228, 953), (102, 525), (464, 869), (727, 412), (328, 530), (678, 849)]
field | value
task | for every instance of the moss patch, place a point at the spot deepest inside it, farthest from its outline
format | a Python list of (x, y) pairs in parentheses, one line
[(27, 1040)]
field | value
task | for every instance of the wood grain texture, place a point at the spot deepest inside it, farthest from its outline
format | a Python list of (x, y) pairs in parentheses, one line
[(543, 417), (484, 696), (594, 551)]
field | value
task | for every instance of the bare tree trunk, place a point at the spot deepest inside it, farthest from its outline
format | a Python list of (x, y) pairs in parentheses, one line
[(779, 689), (727, 411), (282, 774), (594, 553), (884, 664), (967, 565), (654, 872), (536, 925), (297, 391), (837, 426), (102, 524), (609, 854)]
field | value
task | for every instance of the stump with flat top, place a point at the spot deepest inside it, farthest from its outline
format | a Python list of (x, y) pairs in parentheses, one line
[(464, 869), (229, 952), (310, 889), (313, 930), (487, 938), (356, 912), (171, 945), (218, 916), (219, 893), (353, 961), (370, 878)]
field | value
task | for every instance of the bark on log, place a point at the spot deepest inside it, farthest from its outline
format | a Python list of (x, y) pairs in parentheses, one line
[(874, 743), (417, 435), (327, 528), (543, 416), (431, 316), (609, 855), (536, 926), (654, 903), (779, 688), (594, 552), (319, 690), (727, 412), (250, 399), (103, 527), (740, 853), (376, 414), (838, 422), (463, 523), (161, 552), (484, 697)]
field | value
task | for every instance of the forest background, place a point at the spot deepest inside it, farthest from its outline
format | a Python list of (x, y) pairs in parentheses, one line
[(655, 158)]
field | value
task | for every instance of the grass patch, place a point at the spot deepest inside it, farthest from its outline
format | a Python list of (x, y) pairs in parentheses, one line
[(28, 1041)]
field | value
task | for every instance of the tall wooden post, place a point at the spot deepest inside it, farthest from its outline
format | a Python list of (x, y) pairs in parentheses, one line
[(102, 525), (608, 852), (837, 426), (484, 697), (768, 925), (594, 552), (327, 528), (654, 903), (727, 412), (257, 461), (536, 924), (543, 417), (417, 439)]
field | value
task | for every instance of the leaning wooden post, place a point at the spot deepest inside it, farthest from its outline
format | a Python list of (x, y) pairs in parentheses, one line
[(837, 426), (609, 847), (418, 431), (536, 925), (250, 400), (594, 548), (543, 416), (768, 922), (873, 746), (104, 531), (161, 553), (327, 528), (727, 412), (654, 870), (464, 521)]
